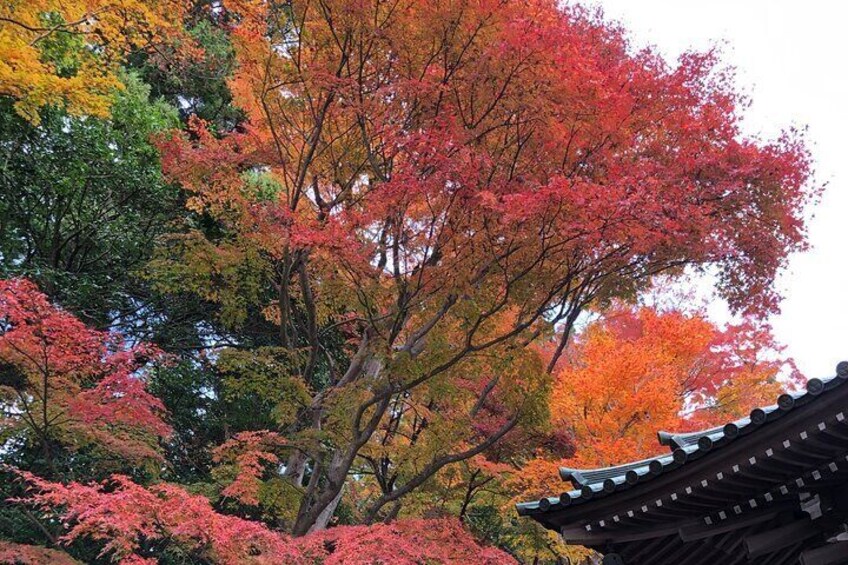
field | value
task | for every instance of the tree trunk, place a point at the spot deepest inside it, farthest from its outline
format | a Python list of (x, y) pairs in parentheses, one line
[(296, 467), (318, 499), (326, 514)]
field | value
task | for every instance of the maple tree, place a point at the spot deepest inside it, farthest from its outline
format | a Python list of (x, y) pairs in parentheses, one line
[(441, 183), (639, 370), (64, 383), (67, 386), (66, 53), (630, 372), (131, 519)]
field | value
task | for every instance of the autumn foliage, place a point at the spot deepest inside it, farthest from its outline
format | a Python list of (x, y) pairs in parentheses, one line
[(74, 386), (446, 182), (44, 344), (639, 371), (249, 454), (130, 518), (345, 248), (33, 555), (66, 53)]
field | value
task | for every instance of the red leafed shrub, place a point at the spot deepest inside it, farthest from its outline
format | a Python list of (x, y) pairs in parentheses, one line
[(126, 516), (406, 542), (249, 453), (18, 554), (72, 384)]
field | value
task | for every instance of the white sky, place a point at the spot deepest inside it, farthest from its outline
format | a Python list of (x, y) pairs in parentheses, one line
[(790, 58)]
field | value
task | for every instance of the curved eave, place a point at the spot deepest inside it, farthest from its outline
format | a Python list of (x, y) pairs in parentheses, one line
[(676, 440)]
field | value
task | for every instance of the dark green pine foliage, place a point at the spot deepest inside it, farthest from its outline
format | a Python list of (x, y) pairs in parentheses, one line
[(82, 200)]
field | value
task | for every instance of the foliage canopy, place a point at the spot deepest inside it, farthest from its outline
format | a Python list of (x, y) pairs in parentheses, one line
[(312, 271)]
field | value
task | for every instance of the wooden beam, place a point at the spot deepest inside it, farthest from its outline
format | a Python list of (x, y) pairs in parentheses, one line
[(830, 554), (601, 536), (770, 541), (701, 530)]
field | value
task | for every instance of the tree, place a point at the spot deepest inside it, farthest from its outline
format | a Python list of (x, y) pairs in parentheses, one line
[(57, 53), (639, 370), (631, 371), (439, 184), (375, 228), (65, 387), (82, 198)]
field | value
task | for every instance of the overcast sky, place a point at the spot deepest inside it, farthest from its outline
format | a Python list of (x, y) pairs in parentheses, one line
[(790, 58)]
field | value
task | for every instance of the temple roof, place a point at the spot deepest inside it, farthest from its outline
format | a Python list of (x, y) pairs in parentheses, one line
[(727, 483)]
